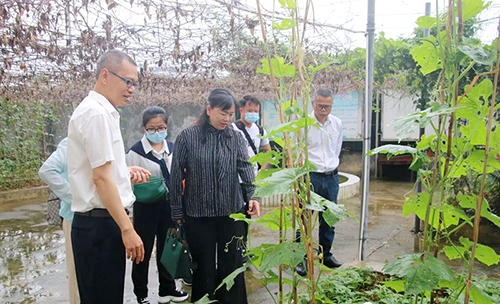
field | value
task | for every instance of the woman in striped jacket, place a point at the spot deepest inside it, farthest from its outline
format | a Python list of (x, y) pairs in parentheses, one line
[(210, 156)]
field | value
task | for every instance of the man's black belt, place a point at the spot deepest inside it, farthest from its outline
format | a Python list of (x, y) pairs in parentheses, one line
[(333, 172), (97, 212)]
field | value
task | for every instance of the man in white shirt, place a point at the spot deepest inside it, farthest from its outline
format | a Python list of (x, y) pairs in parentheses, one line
[(324, 145), (102, 233)]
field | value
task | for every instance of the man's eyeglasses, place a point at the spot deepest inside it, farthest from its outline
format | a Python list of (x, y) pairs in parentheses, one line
[(128, 82), (323, 107), (154, 130)]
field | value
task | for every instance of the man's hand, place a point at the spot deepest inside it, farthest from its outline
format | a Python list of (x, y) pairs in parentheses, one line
[(133, 245), (253, 208), (138, 174)]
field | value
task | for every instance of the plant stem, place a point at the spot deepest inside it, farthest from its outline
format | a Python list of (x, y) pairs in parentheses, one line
[(479, 203)]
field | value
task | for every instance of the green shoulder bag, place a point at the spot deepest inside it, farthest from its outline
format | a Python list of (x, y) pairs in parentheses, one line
[(151, 191)]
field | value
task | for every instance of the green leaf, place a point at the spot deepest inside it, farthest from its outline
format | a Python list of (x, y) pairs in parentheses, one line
[(420, 275), (280, 68), (487, 255), (262, 174), (469, 202), (398, 286), (471, 8), (229, 280), (478, 53), (332, 213), (290, 4), (406, 124), (320, 67), (205, 300), (282, 254), (476, 162), (426, 21), (426, 55), (272, 157), (279, 182), (478, 296), (392, 150), (293, 126), (425, 142), (454, 252), (285, 24)]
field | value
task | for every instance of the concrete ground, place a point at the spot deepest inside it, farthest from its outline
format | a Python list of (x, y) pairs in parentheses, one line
[(32, 265)]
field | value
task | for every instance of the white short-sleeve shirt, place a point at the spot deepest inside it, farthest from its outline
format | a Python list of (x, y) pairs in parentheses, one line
[(325, 143), (94, 138), (258, 142)]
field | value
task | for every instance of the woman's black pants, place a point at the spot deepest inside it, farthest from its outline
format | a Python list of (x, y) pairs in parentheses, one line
[(216, 244), (152, 220)]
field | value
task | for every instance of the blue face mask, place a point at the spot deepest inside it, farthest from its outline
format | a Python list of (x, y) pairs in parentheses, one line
[(252, 117), (156, 137)]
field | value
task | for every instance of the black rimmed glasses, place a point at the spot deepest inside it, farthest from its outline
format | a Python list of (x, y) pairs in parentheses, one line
[(154, 130), (128, 82), (324, 107)]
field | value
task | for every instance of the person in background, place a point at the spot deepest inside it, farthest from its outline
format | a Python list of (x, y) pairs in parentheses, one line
[(249, 108), (324, 146), (210, 156), (54, 172), (153, 219), (102, 233)]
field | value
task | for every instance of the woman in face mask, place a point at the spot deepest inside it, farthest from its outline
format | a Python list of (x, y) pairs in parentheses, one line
[(152, 218)]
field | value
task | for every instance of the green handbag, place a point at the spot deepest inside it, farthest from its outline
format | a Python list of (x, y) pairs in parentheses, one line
[(151, 191), (175, 256)]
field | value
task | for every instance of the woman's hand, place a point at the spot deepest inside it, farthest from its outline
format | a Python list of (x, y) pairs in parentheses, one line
[(253, 208), (138, 174)]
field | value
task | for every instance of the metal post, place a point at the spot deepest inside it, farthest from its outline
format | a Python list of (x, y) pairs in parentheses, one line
[(363, 223), (377, 129), (423, 103)]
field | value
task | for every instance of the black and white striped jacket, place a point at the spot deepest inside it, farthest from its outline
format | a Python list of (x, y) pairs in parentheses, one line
[(211, 170)]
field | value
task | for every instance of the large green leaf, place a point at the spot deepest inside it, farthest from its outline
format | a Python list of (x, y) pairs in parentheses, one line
[(292, 126), (476, 162), (471, 8), (392, 150), (426, 21), (478, 53), (282, 254), (279, 182), (420, 275), (469, 202), (484, 254), (478, 296), (426, 55), (280, 68), (406, 124)]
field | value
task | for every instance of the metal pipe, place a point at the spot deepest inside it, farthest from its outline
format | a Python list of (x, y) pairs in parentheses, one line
[(365, 186), (423, 105)]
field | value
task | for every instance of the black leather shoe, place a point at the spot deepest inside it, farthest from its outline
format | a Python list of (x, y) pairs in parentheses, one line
[(301, 269), (331, 262)]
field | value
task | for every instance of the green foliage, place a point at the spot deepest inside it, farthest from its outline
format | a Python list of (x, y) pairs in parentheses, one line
[(280, 68), (25, 142), (420, 274)]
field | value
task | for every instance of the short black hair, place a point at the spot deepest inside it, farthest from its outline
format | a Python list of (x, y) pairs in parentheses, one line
[(153, 112), (112, 60), (247, 98), (324, 92)]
